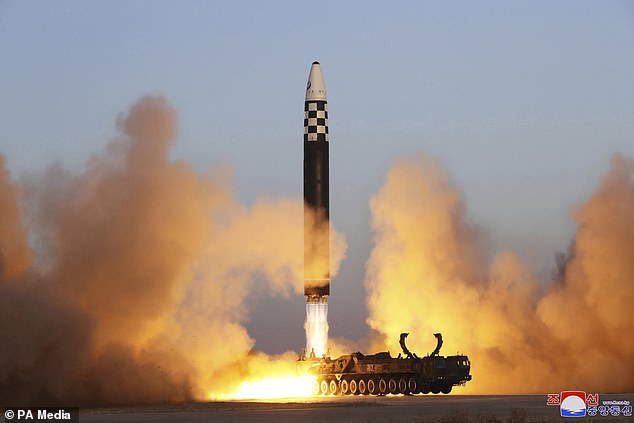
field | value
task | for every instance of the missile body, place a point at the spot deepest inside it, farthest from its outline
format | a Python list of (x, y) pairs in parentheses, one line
[(316, 190)]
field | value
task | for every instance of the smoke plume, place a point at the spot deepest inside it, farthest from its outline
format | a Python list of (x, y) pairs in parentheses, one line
[(427, 274), (127, 282), (14, 251), (142, 268)]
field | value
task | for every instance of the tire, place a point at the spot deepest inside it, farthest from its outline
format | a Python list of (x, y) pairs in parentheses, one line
[(354, 387), (392, 386), (373, 389), (316, 388), (333, 387), (382, 386), (345, 387), (412, 386), (363, 388), (425, 389), (435, 388), (402, 386), (324, 387), (446, 388)]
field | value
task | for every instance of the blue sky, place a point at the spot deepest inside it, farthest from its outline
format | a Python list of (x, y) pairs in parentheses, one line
[(522, 102)]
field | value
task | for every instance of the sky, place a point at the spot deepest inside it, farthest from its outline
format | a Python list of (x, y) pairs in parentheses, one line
[(523, 103)]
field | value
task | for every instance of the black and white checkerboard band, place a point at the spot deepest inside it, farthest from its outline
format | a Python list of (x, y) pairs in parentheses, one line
[(316, 121)]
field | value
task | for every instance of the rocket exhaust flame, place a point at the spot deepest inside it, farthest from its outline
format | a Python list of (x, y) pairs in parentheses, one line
[(317, 327)]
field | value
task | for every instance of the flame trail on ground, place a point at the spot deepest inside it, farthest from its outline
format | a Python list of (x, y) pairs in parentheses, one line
[(275, 387)]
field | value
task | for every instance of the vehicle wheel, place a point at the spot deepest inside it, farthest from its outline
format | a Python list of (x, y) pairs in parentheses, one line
[(425, 389), (372, 388), (316, 389), (435, 388), (392, 386), (345, 388), (363, 388), (354, 387), (446, 388), (382, 386), (402, 386), (412, 385), (334, 387), (324, 387)]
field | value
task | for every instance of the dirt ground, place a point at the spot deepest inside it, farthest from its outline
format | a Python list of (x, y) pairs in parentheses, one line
[(424, 408)]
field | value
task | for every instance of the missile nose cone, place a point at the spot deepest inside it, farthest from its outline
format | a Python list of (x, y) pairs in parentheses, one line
[(315, 89)]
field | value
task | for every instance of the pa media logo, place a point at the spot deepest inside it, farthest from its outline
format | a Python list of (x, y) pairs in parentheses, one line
[(573, 403)]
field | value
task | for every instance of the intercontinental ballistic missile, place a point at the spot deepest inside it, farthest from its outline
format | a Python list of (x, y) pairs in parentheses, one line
[(316, 189), (316, 214)]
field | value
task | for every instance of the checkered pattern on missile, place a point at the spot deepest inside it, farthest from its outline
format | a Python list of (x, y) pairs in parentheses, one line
[(316, 121)]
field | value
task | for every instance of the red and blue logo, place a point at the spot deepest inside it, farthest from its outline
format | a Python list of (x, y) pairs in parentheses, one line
[(580, 404), (574, 403)]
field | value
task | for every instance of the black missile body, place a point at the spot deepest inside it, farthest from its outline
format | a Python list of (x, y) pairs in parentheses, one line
[(316, 189)]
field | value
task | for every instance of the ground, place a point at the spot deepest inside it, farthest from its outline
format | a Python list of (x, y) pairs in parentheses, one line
[(422, 408)]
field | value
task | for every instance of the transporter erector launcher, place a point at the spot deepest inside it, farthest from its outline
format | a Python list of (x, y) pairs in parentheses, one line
[(316, 213), (316, 190)]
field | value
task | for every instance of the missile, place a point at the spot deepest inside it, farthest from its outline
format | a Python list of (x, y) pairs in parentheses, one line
[(316, 190)]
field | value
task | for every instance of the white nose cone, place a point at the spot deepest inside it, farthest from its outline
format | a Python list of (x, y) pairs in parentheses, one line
[(316, 89)]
